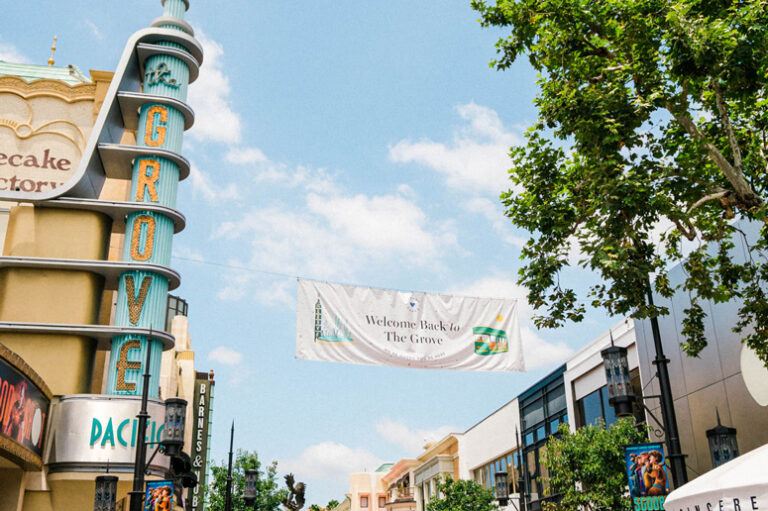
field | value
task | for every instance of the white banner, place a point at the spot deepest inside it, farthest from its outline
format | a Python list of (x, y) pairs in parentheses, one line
[(361, 325)]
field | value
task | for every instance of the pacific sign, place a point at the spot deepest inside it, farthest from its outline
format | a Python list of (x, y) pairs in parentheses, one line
[(91, 431)]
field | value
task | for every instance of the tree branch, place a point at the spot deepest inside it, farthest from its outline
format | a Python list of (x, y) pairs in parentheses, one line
[(746, 196), (720, 194), (728, 127)]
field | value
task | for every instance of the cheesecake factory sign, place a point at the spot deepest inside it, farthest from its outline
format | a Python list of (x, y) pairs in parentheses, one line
[(42, 136)]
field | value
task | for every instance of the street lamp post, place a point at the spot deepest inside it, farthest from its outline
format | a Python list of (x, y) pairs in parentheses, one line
[(520, 475), (621, 394), (141, 442), (676, 457), (228, 496)]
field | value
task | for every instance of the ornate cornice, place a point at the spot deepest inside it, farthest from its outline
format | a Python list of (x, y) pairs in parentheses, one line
[(48, 87), (24, 368)]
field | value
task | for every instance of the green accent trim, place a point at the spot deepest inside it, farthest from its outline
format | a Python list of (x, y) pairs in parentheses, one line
[(484, 330)]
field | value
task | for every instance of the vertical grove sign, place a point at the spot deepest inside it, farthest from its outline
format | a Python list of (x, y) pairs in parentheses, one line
[(156, 171), (195, 500)]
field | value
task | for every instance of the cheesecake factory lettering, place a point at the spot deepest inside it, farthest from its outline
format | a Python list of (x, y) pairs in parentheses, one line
[(13, 167)]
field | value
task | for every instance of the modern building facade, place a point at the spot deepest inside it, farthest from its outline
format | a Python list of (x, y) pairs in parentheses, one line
[(725, 379), (84, 277)]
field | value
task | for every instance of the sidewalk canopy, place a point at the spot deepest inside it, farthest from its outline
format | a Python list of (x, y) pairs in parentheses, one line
[(739, 485)]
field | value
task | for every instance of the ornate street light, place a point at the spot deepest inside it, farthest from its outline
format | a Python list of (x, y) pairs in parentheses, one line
[(251, 480), (723, 446), (502, 488), (620, 393), (106, 493), (173, 433)]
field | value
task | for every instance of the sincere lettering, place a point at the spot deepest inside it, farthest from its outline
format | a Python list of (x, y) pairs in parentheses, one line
[(147, 183), (144, 252), (154, 134)]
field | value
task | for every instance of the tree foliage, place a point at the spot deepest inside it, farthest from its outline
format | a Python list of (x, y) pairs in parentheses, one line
[(268, 496), (652, 133), (462, 496), (586, 468)]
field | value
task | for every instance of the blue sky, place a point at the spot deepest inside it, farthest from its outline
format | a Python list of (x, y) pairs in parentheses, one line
[(362, 142)]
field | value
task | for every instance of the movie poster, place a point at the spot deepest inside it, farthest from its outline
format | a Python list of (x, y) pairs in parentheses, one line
[(648, 476), (159, 496), (23, 409)]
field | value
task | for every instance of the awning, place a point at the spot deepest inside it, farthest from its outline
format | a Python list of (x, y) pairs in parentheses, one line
[(739, 485)]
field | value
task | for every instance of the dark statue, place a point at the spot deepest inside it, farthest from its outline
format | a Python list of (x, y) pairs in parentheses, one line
[(295, 499)]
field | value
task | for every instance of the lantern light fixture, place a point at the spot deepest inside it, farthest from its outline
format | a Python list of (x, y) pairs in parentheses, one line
[(620, 393), (106, 493), (502, 488), (173, 431), (723, 446), (251, 480)]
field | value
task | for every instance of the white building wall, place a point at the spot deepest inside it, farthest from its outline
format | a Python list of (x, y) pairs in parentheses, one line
[(489, 439)]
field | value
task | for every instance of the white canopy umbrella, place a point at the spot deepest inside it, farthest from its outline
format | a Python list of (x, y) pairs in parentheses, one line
[(739, 485)]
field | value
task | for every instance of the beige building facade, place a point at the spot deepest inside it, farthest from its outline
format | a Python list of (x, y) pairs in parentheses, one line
[(60, 266)]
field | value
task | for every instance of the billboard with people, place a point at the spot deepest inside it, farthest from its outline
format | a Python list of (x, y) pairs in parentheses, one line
[(648, 476)]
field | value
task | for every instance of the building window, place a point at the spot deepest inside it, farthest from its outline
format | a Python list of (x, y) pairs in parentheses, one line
[(176, 307), (486, 474), (364, 501), (543, 409), (382, 501)]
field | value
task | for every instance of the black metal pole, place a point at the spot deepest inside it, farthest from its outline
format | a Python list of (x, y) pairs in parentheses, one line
[(520, 476), (228, 498), (675, 455), (141, 446)]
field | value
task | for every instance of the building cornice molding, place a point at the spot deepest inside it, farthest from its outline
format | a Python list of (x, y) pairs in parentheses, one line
[(48, 87)]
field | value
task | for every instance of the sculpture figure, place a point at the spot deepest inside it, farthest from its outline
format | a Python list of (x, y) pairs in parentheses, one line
[(295, 499)]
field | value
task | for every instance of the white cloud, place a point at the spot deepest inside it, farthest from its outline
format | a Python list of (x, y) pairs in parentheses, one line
[(246, 156), (188, 253), (225, 355), (97, 33), (411, 440), (332, 236), (492, 211), (210, 190), (210, 97), (9, 53), (536, 351), (477, 158), (331, 461)]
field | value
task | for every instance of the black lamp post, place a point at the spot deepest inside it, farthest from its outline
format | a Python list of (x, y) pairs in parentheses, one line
[(723, 446), (251, 481), (228, 494), (617, 374), (502, 488), (106, 493)]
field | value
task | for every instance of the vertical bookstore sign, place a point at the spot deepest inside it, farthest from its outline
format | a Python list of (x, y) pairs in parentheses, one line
[(200, 432)]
